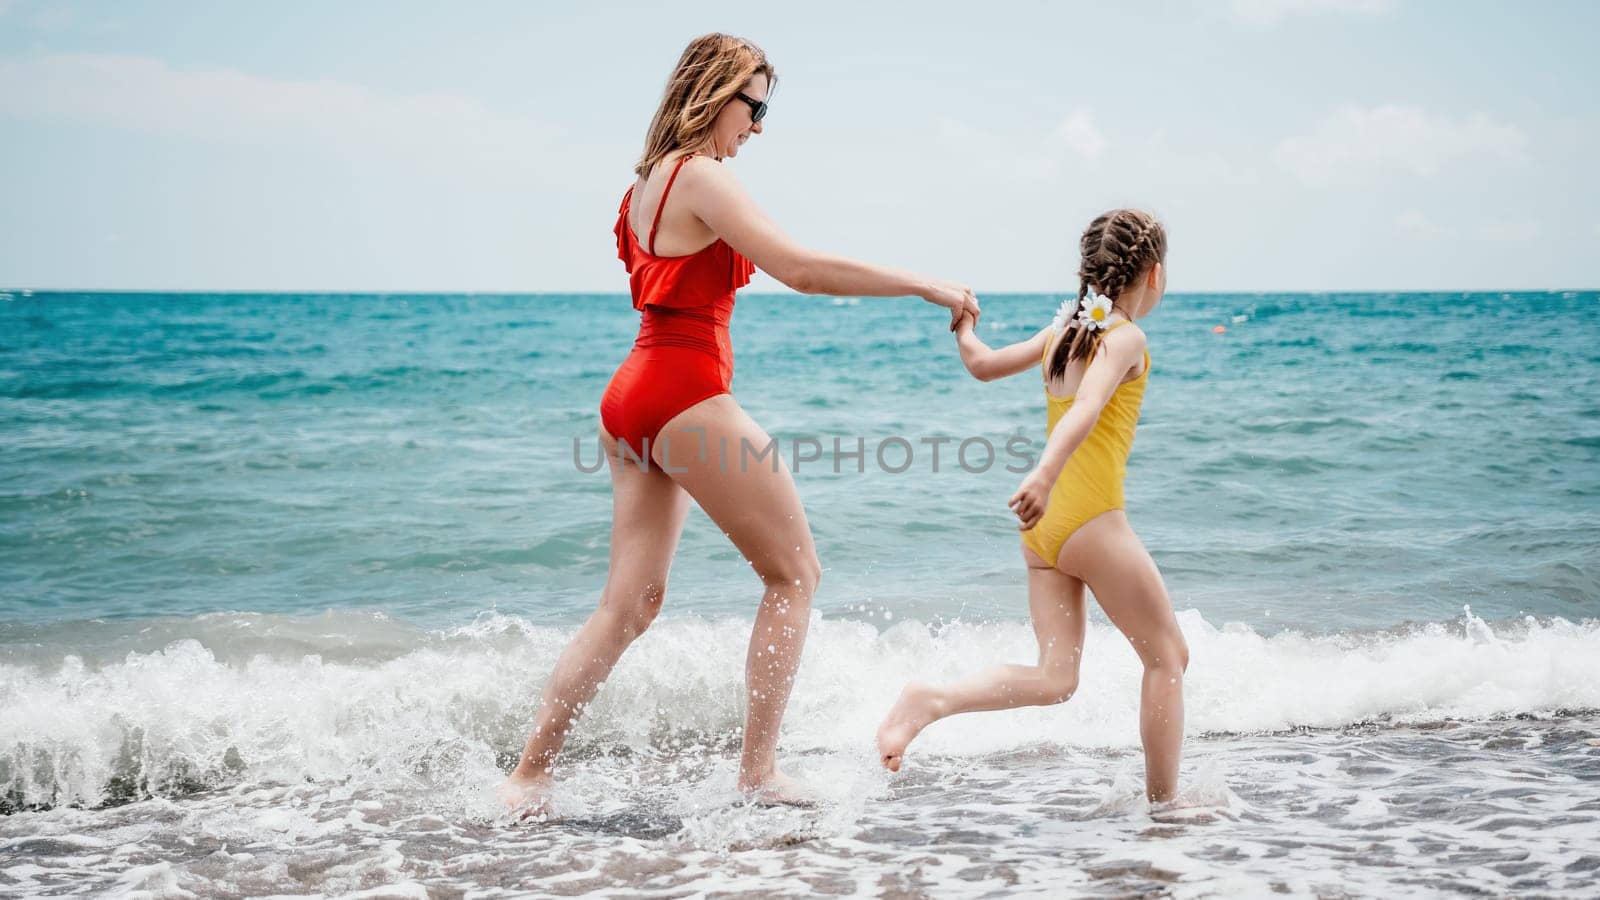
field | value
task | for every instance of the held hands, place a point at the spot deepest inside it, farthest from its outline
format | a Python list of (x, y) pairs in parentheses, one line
[(958, 298), (1030, 500)]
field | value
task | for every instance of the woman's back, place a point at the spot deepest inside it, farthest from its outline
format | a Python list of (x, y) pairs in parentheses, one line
[(676, 230)]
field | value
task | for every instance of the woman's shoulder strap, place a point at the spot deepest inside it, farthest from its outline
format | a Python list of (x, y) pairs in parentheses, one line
[(662, 205)]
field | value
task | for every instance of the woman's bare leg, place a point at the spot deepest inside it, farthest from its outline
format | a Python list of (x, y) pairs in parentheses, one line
[(1109, 557), (754, 501), (648, 510), (1056, 604)]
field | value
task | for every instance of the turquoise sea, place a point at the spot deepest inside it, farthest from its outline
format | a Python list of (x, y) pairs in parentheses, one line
[(281, 576)]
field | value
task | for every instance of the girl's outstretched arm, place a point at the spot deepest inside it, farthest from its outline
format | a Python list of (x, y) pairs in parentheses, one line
[(1120, 351), (986, 363)]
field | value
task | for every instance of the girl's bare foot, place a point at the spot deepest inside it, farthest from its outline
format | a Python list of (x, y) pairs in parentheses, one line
[(916, 709), (777, 789), (527, 798)]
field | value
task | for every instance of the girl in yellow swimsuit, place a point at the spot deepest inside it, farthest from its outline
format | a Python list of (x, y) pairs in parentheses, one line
[(1075, 535)]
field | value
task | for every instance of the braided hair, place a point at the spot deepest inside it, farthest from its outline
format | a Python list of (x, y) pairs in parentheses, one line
[(1118, 247)]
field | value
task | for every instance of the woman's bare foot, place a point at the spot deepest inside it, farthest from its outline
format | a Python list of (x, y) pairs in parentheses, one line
[(777, 789), (916, 709), (527, 798), (1183, 809)]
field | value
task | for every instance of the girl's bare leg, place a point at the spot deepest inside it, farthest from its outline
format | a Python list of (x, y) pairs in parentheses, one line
[(648, 511), (712, 450), (1109, 557), (1056, 604)]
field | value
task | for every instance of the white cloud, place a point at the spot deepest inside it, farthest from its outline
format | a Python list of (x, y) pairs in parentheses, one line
[(1030, 157), (1186, 161), (1520, 231), (1417, 223), (1271, 12), (223, 104), (1079, 133), (1353, 143), (1491, 231)]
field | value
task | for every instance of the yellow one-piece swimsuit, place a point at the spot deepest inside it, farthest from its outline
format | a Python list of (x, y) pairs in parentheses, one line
[(1091, 481)]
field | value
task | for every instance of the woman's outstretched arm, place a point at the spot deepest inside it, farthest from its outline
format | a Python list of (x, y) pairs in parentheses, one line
[(717, 199)]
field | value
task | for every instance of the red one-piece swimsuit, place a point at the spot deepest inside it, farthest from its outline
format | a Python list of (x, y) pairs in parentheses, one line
[(683, 353)]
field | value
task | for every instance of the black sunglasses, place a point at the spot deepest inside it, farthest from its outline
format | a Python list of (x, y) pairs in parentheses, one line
[(758, 108)]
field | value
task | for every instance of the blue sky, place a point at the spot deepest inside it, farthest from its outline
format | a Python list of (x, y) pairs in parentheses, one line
[(1288, 144)]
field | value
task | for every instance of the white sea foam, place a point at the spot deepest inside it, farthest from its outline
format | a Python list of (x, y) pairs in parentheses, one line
[(447, 708), (375, 778)]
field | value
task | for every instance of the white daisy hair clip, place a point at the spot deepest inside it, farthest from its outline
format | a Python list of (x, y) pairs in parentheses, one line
[(1064, 314), (1095, 314)]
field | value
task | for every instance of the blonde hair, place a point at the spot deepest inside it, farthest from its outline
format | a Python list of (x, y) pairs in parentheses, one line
[(712, 69)]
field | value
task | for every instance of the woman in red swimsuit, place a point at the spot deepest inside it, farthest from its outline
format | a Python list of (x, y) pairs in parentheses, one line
[(669, 403)]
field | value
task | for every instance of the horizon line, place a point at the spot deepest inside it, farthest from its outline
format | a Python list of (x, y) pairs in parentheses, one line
[(370, 292)]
